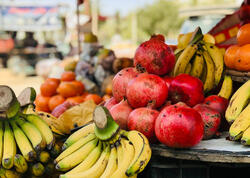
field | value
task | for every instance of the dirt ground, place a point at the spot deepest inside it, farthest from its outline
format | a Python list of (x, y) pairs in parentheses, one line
[(19, 82)]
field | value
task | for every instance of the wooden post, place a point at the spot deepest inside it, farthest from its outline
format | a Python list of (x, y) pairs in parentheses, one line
[(94, 15)]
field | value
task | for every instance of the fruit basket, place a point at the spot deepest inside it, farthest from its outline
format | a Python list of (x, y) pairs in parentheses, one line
[(238, 76)]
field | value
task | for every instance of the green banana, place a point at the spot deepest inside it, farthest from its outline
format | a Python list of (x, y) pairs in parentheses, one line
[(20, 164)]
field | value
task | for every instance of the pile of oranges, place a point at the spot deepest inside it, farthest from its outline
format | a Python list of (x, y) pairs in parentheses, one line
[(238, 56), (54, 92)]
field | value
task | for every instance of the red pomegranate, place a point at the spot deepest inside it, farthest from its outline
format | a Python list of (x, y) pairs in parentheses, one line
[(155, 57), (147, 89), (158, 37), (120, 113), (179, 127), (211, 119), (217, 103), (143, 120), (110, 103), (168, 80), (120, 82)]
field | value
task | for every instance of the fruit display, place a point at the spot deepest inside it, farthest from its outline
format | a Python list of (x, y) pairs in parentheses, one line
[(27, 145), (199, 57), (237, 56), (58, 95), (103, 149)]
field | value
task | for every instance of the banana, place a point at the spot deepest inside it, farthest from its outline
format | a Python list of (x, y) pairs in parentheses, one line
[(237, 102), (6, 173), (204, 74), (96, 170), (226, 88), (55, 151), (129, 151), (75, 146), (23, 143), (20, 164), (245, 139), (188, 68), (32, 133), (43, 127), (89, 128), (76, 157), (1, 140), (112, 164), (37, 169), (119, 153), (89, 161), (217, 57), (184, 59), (9, 147), (209, 81), (197, 65), (142, 152), (44, 157), (241, 124)]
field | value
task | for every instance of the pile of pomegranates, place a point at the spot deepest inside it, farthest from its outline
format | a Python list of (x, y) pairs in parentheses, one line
[(172, 110)]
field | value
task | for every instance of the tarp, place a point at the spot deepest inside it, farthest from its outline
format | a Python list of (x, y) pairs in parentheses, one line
[(29, 17)]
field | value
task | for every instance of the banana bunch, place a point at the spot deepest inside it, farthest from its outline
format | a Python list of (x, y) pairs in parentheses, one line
[(26, 141), (238, 115), (87, 154), (201, 59)]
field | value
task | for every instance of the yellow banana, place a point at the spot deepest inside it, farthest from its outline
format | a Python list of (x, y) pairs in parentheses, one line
[(188, 68), (112, 164), (226, 88), (9, 147), (85, 130), (209, 81), (23, 143), (142, 152), (245, 139), (32, 133), (43, 127), (241, 124), (77, 145), (76, 157), (197, 66), (44, 157), (184, 59), (89, 161), (37, 169), (6, 173), (96, 170), (237, 102), (119, 154), (1, 140), (217, 57), (208, 38), (129, 151), (20, 164)]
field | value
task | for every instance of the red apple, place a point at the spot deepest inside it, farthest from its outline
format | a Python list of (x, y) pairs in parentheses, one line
[(211, 119), (179, 127), (143, 120), (217, 103), (187, 89)]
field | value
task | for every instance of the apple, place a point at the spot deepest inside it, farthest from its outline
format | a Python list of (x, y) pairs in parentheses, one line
[(187, 89)]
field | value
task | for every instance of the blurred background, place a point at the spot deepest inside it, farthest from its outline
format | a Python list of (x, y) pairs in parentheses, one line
[(38, 39)]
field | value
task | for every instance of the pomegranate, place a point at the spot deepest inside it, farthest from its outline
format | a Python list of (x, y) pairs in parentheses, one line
[(143, 120), (217, 103), (120, 113), (147, 89), (168, 80), (179, 127), (110, 103), (120, 82), (187, 89), (155, 56), (211, 119), (158, 37)]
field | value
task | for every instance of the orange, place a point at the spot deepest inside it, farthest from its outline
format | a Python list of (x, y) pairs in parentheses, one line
[(55, 101), (108, 89), (243, 35), (96, 98), (55, 80), (68, 76), (106, 97), (75, 99), (84, 95), (79, 86), (230, 56), (243, 58), (48, 88), (42, 102), (67, 89)]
